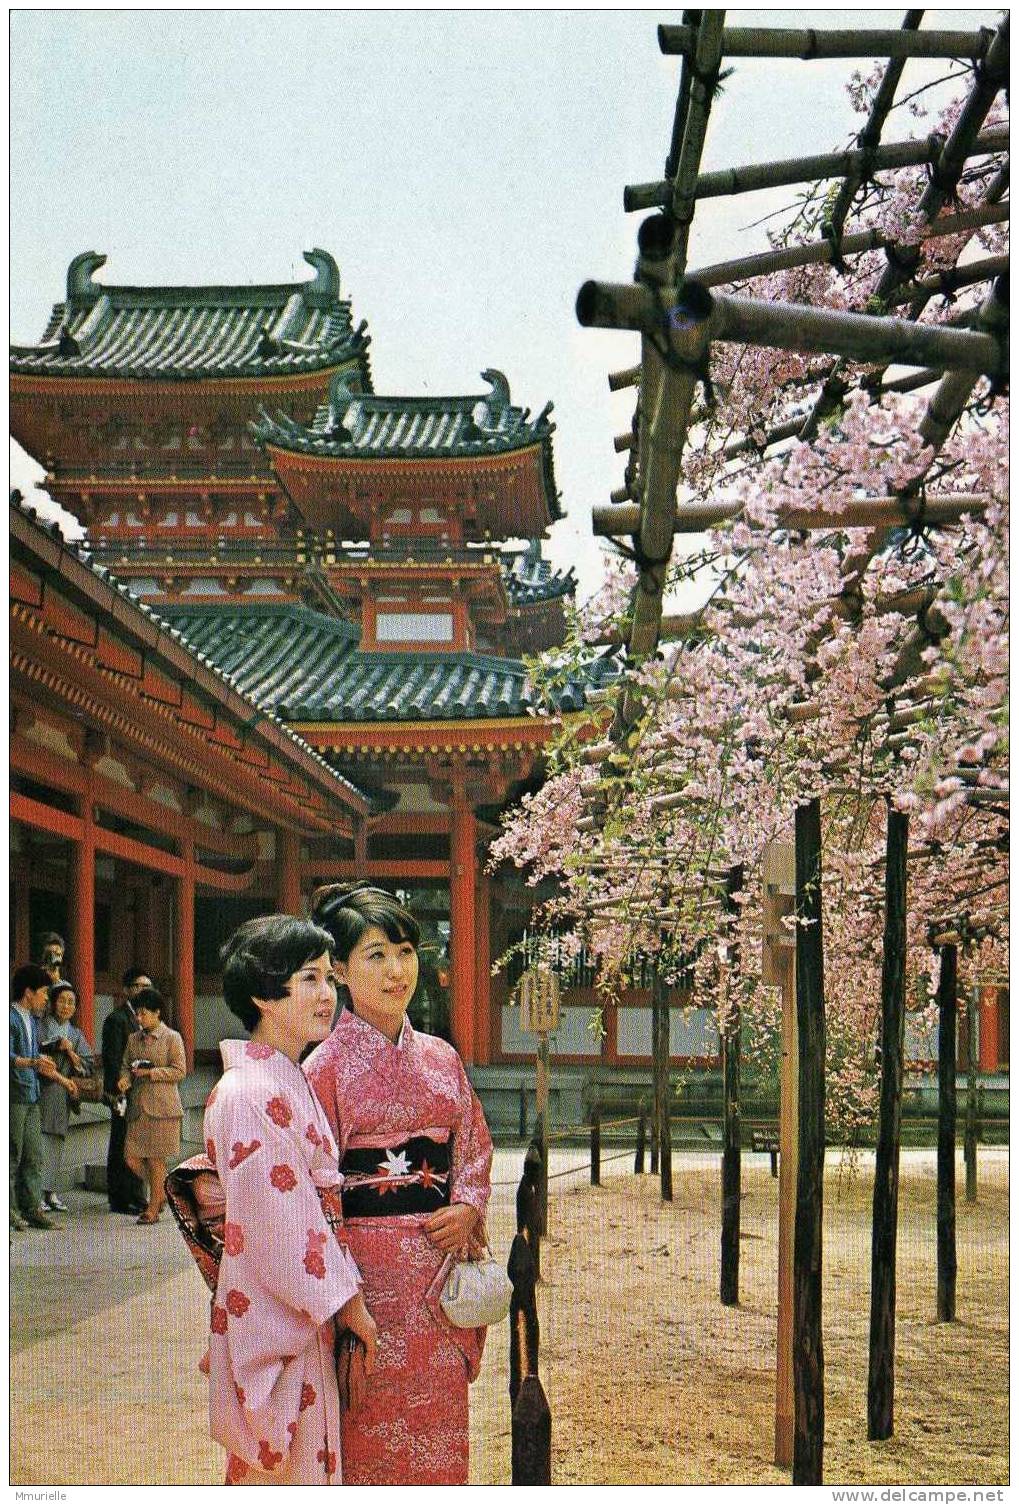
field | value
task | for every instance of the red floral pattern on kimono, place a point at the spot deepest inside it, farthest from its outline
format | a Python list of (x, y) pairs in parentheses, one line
[(412, 1428), (273, 1400)]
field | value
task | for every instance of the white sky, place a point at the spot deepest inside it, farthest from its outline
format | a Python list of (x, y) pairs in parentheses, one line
[(466, 170)]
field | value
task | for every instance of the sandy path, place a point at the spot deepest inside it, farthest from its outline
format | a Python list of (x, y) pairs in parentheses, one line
[(649, 1379)]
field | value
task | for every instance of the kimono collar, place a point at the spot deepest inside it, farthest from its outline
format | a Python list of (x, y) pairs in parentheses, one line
[(239, 1052), (351, 1021)]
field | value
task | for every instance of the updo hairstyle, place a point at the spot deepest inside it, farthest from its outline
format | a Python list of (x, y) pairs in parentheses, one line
[(348, 910)]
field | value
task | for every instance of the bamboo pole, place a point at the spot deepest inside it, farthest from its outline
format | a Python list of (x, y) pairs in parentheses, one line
[(991, 76), (947, 403), (621, 521), (809, 169), (945, 283), (706, 54), (870, 137), (669, 315), (881, 1369), (744, 268), (808, 1342), (731, 1116), (811, 44), (948, 1023), (620, 379)]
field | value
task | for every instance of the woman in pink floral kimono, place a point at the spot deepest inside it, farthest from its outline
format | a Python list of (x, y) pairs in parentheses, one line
[(416, 1155), (286, 1279)]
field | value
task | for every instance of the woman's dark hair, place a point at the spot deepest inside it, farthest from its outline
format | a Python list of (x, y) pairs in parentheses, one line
[(347, 910), (260, 958), (62, 987), (150, 998)]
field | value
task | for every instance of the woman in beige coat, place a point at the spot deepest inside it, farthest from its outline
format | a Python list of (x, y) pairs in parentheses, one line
[(154, 1062)]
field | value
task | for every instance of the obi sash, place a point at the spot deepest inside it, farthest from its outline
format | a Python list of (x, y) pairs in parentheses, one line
[(394, 1180)]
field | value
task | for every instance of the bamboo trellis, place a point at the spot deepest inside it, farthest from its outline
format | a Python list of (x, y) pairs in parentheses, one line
[(677, 317)]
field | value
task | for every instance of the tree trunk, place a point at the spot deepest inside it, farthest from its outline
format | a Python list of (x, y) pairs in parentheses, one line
[(731, 1118), (881, 1373), (970, 1151), (808, 1346), (947, 1027)]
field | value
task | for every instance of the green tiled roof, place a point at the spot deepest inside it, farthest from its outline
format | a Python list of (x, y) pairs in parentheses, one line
[(180, 333), (530, 579), (354, 425), (308, 667), (260, 704)]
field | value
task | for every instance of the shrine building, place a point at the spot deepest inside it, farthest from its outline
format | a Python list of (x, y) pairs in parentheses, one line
[(359, 575)]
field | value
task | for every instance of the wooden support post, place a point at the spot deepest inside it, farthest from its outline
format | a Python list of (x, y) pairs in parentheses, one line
[(121, 935), (529, 1194), (82, 915), (531, 1417), (22, 901), (989, 1034), (463, 873), (482, 970), (808, 1345), (881, 1370), (948, 1010), (970, 1139), (656, 1133), (778, 969), (288, 872), (184, 949), (596, 1145), (731, 1120), (662, 1044), (638, 1159), (541, 1066)]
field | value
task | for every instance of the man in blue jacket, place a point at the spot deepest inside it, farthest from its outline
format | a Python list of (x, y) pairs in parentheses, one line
[(29, 992)]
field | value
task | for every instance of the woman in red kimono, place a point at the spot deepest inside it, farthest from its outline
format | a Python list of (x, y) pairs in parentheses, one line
[(415, 1155), (286, 1278)]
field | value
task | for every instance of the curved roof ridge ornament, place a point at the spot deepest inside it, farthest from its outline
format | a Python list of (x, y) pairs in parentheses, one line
[(80, 287), (326, 287), (499, 397)]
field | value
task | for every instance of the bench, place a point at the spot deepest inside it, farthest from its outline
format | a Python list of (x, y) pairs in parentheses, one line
[(762, 1140)]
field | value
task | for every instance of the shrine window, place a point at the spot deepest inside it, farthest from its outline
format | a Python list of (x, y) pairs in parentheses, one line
[(414, 627)]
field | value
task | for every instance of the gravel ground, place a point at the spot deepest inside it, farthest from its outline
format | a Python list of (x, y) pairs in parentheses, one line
[(649, 1379)]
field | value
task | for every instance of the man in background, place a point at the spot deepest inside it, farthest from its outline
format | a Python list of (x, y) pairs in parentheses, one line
[(124, 1191), (52, 949), (29, 993)]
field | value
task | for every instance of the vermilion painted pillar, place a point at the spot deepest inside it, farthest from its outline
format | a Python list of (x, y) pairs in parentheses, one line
[(22, 903), (989, 1033), (184, 948), (462, 877), (288, 881), (482, 976), (82, 917)]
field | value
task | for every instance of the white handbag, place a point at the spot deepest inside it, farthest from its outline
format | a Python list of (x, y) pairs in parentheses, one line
[(477, 1293)]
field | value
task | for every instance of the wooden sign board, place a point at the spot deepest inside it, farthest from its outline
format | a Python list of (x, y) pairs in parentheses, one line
[(538, 995)]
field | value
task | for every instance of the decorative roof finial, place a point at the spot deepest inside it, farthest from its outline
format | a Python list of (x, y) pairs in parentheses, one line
[(500, 394), (80, 287), (326, 286)]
